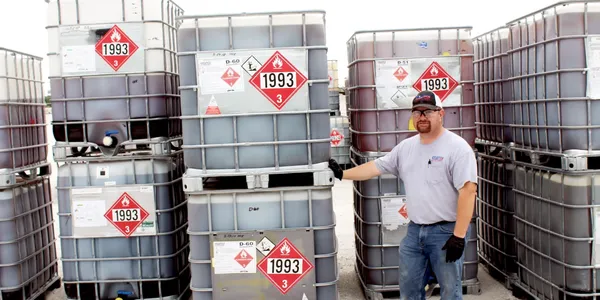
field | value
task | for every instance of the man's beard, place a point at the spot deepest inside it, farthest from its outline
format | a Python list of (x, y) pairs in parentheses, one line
[(423, 127)]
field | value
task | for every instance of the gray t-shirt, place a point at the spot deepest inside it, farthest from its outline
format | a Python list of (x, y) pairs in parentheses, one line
[(432, 174)]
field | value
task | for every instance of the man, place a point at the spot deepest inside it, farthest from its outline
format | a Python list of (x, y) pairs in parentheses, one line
[(439, 171)]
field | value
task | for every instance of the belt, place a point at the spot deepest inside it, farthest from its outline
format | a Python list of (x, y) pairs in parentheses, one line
[(436, 223)]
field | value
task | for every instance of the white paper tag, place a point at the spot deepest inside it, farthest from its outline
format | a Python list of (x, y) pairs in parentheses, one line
[(77, 59), (391, 216), (593, 65), (234, 257), (88, 213), (220, 75)]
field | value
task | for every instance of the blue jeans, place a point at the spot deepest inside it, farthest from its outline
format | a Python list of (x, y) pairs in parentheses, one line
[(422, 245)]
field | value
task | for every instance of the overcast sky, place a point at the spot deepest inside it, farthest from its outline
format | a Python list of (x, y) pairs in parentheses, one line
[(23, 25)]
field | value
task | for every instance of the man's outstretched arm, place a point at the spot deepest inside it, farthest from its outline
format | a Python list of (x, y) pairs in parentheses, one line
[(387, 164), (362, 172)]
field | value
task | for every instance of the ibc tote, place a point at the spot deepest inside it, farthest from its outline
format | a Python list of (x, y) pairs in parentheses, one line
[(256, 133), (495, 201), (28, 258), (116, 108), (387, 68), (554, 55)]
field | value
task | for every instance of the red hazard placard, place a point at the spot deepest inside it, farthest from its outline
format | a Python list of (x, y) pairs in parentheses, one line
[(400, 74), (436, 80), (284, 266), (243, 258), (230, 76), (403, 211), (278, 80), (336, 137), (126, 214), (115, 47)]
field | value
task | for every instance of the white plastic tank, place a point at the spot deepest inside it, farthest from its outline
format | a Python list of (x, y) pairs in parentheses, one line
[(287, 206), (113, 69), (254, 90), (554, 58), (28, 257), (492, 87), (557, 220), (123, 228), (22, 119), (387, 68)]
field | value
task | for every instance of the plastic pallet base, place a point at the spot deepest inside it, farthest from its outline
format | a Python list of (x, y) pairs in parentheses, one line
[(50, 286), (520, 293), (470, 288)]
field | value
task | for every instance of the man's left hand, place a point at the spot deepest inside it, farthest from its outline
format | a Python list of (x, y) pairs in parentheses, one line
[(454, 248)]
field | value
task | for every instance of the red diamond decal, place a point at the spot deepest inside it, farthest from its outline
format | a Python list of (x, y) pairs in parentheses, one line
[(126, 214), (230, 76), (115, 47), (400, 74), (436, 80), (273, 266), (278, 80), (243, 258)]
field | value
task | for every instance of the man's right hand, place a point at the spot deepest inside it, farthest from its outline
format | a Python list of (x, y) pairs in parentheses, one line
[(335, 167)]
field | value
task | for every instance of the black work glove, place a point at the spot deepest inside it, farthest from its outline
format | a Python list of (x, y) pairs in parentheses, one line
[(454, 248), (337, 171)]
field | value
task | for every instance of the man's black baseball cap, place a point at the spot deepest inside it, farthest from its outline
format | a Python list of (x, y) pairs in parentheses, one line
[(427, 99)]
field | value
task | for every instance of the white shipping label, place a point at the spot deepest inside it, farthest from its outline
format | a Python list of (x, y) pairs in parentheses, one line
[(398, 81), (593, 66), (392, 212), (218, 75), (88, 213), (234, 257), (252, 81), (77, 59)]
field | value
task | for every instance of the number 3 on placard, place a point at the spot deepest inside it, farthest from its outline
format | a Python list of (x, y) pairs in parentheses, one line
[(284, 285), (127, 229), (116, 63), (279, 100)]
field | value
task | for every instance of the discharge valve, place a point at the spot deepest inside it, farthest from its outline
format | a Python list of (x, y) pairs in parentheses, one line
[(109, 140)]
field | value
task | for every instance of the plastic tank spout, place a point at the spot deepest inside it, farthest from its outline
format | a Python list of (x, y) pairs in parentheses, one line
[(109, 140)]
